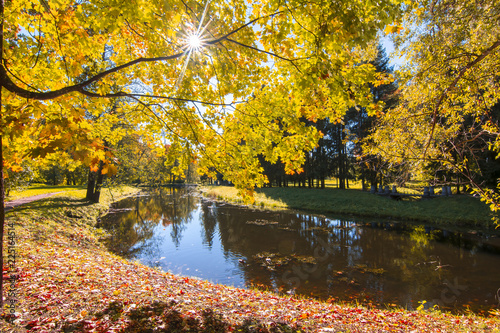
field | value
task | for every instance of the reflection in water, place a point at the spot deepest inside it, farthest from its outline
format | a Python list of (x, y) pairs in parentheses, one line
[(371, 263)]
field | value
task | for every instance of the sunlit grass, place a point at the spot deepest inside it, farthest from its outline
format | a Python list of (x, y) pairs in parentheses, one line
[(333, 183), (76, 191), (228, 193), (43, 189)]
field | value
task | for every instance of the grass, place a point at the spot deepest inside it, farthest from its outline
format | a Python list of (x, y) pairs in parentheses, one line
[(67, 281), (108, 194), (43, 189), (457, 210)]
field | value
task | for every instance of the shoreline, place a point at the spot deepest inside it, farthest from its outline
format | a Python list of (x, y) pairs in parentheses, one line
[(394, 212), (68, 281)]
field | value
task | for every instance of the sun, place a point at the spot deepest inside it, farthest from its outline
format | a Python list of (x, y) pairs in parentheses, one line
[(194, 42)]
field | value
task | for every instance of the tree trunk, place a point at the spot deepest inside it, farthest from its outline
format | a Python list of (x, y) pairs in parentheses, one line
[(2, 205), (94, 184), (363, 186), (90, 185), (54, 176), (340, 154), (98, 185)]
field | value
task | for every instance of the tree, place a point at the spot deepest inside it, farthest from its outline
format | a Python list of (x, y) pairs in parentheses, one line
[(53, 71), (449, 87), (362, 124), (58, 168), (140, 162)]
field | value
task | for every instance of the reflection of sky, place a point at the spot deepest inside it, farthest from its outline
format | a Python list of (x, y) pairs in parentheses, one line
[(189, 255), (208, 239)]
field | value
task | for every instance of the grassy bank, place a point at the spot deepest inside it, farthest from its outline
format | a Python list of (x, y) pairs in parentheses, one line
[(457, 210), (68, 281), (38, 189)]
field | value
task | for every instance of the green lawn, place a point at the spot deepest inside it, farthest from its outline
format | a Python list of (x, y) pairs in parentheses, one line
[(460, 210), (43, 189), (78, 191)]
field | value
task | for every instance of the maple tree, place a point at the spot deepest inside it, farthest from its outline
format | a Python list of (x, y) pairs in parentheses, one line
[(449, 90), (219, 100)]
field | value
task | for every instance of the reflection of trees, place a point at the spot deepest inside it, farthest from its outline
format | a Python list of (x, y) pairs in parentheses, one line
[(321, 256), (209, 221), (296, 241), (127, 229), (133, 225)]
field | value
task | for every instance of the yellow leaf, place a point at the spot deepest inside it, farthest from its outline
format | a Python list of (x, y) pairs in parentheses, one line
[(112, 170), (391, 29), (16, 168)]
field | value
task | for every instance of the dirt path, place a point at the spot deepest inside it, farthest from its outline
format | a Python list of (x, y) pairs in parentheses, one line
[(14, 203)]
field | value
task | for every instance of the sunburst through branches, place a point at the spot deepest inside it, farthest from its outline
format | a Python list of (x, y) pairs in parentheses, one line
[(193, 42)]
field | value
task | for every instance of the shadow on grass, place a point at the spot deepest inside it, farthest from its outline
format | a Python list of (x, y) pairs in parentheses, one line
[(163, 317), (52, 204), (324, 200)]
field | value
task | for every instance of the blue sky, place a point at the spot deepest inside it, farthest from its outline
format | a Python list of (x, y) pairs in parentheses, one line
[(389, 49)]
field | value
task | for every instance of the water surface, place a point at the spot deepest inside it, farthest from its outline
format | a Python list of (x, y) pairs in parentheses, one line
[(372, 262)]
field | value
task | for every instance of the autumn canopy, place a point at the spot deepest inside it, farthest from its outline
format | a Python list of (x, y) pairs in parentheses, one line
[(79, 75)]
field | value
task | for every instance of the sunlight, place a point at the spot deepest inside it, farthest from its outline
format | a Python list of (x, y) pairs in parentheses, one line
[(194, 42)]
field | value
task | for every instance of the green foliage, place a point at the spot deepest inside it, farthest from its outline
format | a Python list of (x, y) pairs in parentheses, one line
[(141, 163), (59, 168), (18, 180)]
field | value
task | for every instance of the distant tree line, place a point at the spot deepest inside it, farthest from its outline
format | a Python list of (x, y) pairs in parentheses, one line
[(342, 153), (339, 153), (138, 162)]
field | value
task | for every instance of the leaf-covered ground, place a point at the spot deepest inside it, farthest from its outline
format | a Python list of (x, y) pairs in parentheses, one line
[(67, 281)]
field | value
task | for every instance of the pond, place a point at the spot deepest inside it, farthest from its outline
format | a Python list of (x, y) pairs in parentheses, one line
[(371, 262)]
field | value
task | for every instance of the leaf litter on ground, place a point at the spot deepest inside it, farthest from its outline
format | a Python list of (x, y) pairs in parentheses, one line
[(68, 281)]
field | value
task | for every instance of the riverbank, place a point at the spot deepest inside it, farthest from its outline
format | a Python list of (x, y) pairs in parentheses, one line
[(68, 281), (453, 211)]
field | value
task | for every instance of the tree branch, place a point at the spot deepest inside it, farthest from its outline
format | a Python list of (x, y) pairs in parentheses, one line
[(136, 96), (453, 84), (266, 52), (8, 84)]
